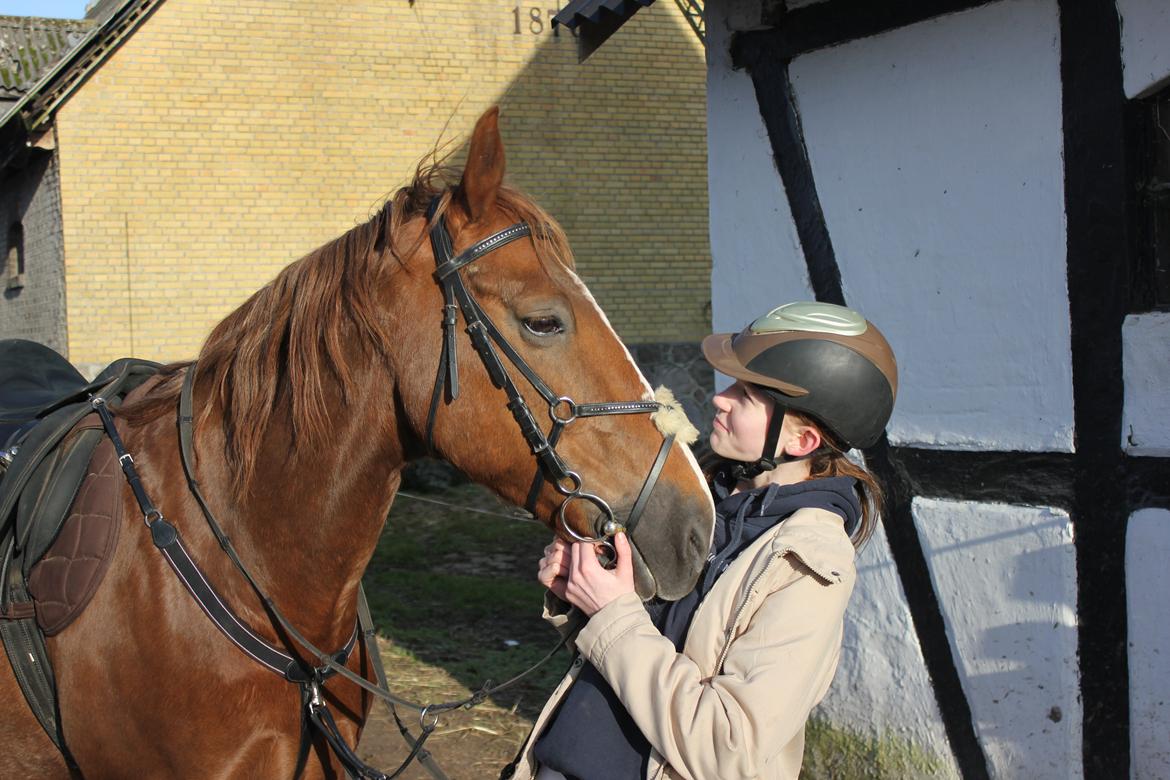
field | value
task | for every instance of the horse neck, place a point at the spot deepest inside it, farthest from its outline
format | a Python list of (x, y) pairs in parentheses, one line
[(307, 525)]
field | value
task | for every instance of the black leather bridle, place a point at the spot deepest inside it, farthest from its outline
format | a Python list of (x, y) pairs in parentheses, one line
[(310, 676), (562, 410)]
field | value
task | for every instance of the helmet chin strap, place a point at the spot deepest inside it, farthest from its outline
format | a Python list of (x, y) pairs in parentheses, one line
[(769, 460)]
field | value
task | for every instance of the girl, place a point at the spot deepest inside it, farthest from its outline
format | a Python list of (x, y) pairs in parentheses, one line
[(720, 683)]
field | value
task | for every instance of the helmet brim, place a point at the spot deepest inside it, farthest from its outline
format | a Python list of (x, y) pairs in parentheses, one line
[(718, 351)]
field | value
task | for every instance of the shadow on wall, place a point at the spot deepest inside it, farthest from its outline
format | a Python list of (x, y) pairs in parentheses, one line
[(616, 151), (1025, 670)]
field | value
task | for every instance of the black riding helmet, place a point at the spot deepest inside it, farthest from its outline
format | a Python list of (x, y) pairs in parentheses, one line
[(820, 359)]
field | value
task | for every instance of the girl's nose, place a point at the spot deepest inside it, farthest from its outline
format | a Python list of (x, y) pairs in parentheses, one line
[(720, 401)]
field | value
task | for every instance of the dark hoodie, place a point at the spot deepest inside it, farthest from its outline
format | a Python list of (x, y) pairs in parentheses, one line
[(591, 736)]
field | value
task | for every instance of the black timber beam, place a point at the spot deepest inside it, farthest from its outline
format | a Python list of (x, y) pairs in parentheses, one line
[(831, 23), (1096, 201)]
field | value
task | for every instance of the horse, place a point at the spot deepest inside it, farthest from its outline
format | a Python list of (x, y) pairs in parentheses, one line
[(309, 400)]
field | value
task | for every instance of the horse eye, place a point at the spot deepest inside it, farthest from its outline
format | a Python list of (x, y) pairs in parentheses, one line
[(544, 326)]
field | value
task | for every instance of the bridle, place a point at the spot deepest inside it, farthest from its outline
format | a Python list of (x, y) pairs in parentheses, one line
[(562, 409), (309, 676)]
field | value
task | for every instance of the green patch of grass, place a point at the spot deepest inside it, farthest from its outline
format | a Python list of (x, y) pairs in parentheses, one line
[(458, 590), (832, 753)]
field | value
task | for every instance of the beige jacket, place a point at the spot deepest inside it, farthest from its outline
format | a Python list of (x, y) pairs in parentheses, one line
[(759, 655)]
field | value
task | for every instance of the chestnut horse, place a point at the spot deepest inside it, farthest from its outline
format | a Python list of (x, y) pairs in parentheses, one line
[(309, 400)]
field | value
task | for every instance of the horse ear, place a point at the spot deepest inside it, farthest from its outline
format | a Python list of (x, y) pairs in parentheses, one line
[(484, 172)]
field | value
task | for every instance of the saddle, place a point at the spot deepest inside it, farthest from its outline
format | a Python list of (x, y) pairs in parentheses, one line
[(52, 559)]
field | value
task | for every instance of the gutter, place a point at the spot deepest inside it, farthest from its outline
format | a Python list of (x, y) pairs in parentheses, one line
[(43, 99)]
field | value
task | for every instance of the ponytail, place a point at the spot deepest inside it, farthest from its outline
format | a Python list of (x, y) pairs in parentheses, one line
[(831, 461)]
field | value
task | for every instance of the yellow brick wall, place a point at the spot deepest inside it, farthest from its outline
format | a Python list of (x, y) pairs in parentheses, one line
[(225, 139)]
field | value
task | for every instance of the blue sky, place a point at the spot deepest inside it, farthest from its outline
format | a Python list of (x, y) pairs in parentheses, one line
[(55, 9)]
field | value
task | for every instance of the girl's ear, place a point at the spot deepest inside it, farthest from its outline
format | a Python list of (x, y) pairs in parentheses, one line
[(807, 439)]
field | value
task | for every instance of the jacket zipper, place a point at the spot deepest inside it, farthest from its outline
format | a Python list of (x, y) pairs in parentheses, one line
[(743, 605)]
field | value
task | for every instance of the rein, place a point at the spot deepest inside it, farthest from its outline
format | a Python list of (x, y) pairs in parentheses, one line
[(166, 537)]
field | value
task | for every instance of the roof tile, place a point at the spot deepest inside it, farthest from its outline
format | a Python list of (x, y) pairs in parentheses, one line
[(30, 46)]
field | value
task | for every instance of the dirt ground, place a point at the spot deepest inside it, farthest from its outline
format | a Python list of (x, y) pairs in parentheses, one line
[(456, 602), (467, 744)]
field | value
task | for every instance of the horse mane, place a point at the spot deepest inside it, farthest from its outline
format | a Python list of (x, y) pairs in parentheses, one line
[(291, 336)]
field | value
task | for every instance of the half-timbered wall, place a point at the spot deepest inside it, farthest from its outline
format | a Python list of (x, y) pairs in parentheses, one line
[(964, 173)]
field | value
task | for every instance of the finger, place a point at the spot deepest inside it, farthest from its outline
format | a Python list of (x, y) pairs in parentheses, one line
[(625, 557), (585, 557), (550, 575), (574, 557), (558, 568)]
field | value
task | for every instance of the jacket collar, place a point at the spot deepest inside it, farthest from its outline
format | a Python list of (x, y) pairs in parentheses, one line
[(816, 537)]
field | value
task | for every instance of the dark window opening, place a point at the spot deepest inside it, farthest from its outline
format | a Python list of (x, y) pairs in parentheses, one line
[(14, 257), (1150, 283)]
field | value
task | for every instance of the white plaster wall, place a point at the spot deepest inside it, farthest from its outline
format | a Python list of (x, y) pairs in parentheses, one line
[(882, 688), (1006, 581), (1147, 581), (936, 150), (1145, 45), (1145, 423), (757, 262)]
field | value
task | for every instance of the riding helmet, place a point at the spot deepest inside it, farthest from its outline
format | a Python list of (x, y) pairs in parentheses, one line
[(824, 360)]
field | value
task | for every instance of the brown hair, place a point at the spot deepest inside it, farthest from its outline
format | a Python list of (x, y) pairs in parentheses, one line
[(290, 337), (830, 460)]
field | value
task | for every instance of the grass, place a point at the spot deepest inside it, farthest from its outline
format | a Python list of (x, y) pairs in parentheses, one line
[(459, 590), (831, 752)]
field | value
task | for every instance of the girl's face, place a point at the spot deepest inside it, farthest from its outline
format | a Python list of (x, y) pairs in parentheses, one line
[(741, 422)]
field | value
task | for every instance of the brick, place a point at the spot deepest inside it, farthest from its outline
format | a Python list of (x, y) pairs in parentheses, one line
[(226, 139)]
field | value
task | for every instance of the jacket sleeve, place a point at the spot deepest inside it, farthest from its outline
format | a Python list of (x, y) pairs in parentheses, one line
[(561, 615), (731, 724)]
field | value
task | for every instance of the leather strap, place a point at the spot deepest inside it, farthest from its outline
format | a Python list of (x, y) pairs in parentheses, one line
[(166, 538), (648, 485), (486, 339), (370, 635), (18, 610)]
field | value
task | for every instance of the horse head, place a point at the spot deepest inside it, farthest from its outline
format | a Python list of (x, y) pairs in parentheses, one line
[(545, 331)]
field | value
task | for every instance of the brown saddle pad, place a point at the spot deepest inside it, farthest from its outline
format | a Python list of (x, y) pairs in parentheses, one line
[(65, 579)]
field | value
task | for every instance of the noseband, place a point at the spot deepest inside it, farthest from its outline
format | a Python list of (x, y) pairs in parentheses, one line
[(562, 409)]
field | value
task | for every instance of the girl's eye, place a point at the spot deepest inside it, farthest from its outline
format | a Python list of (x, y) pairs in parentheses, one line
[(544, 326)]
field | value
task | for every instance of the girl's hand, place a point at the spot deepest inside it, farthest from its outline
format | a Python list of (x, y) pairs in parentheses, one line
[(554, 567), (590, 587)]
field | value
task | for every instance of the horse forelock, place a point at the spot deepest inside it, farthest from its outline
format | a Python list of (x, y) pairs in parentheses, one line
[(434, 178)]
